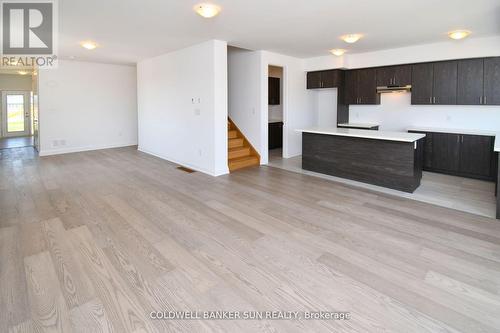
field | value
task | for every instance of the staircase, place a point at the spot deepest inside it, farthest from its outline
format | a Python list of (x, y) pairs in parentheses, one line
[(241, 154)]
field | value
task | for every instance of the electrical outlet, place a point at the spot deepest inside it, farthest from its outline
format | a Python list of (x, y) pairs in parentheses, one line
[(199, 152), (197, 112)]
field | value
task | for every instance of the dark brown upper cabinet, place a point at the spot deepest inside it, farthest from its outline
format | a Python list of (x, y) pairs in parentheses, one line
[(421, 86), (394, 76), (274, 91), (313, 80), (324, 79), (445, 83), (491, 81), (435, 83), (470, 82), (351, 87), (361, 87)]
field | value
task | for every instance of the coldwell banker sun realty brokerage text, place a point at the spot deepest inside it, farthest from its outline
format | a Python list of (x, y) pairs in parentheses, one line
[(29, 33)]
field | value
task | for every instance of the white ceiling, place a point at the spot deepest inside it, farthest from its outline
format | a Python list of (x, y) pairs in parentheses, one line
[(130, 30)]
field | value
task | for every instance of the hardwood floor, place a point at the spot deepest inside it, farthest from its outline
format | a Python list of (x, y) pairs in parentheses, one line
[(95, 241), (16, 142)]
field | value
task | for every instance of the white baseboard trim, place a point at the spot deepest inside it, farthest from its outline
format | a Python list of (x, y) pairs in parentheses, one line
[(187, 165), (49, 152)]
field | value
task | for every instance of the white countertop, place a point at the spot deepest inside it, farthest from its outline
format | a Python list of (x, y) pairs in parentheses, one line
[(453, 130), (365, 125), (460, 131), (367, 134)]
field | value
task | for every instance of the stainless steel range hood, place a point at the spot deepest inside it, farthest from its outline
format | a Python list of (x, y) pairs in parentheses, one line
[(389, 89)]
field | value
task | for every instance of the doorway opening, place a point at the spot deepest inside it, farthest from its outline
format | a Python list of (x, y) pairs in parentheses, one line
[(275, 111), (17, 120)]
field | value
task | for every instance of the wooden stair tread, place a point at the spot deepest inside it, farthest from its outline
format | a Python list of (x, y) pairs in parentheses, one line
[(243, 162), (236, 152), (232, 134), (238, 142), (241, 154)]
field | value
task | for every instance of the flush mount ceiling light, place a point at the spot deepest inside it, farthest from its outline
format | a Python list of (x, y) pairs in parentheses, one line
[(89, 45), (458, 34), (207, 10), (351, 38), (338, 52)]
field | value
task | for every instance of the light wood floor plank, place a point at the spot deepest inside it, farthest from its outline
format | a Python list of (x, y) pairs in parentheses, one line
[(95, 241), (13, 297), (48, 308)]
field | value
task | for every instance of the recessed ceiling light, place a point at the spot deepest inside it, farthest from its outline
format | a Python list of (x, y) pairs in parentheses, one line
[(22, 72), (351, 38), (89, 45), (207, 10), (338, 52), (458, 34)]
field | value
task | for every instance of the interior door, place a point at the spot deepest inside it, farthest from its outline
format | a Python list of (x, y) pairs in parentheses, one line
[(16, 115)]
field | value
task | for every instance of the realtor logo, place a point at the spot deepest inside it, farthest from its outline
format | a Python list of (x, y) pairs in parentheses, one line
[(29, 32)]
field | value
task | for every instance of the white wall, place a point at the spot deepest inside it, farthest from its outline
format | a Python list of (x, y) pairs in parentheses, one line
[(447, 50), (15, 82), (326, 107), (395, 113), (244, 94), (182, 104), (468, 48), (87, 106)]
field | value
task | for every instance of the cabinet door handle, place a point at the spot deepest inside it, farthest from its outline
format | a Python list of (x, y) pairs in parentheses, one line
[(458, 138), (434, 100), (462, 138), (430, 100), (485, 100), (480, 99)]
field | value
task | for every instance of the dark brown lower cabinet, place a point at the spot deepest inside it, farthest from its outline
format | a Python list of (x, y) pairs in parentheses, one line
[(463, 155), (476, 155), (275, 135), (446, 152)]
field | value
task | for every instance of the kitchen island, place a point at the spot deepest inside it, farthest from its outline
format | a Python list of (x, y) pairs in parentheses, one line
[(388, 159)]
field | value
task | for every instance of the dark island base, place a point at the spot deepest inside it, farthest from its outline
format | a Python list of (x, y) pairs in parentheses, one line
[(392, 164)]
